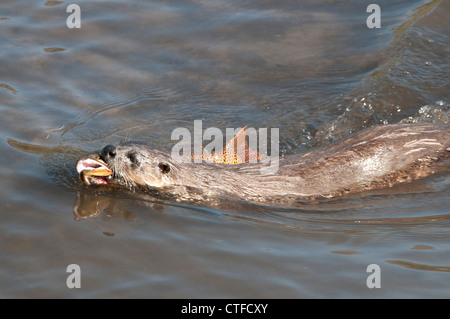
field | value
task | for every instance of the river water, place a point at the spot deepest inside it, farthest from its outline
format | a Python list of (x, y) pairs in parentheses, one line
[(139, 69)]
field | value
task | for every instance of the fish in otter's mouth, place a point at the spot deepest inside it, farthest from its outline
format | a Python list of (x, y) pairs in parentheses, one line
[(94, 171)]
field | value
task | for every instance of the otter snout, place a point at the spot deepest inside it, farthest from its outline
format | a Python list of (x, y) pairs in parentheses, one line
[(108, 153)]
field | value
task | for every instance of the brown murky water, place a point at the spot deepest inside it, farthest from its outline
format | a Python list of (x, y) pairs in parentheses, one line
[(139, 69)]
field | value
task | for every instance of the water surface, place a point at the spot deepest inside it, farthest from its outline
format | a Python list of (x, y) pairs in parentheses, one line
[(139, 69)]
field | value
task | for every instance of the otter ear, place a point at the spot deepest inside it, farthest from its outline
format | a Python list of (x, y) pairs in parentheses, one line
[(165, 168)]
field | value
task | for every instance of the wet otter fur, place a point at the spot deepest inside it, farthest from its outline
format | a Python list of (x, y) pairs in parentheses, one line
[(378, 157)]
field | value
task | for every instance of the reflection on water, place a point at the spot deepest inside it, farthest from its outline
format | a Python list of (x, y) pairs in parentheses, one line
[(417, 266), (137, 70)]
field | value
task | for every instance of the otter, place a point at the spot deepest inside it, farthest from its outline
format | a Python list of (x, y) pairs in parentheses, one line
[(378, 157)]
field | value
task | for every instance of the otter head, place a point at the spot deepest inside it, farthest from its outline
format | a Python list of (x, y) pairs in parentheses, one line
[(128, 164)]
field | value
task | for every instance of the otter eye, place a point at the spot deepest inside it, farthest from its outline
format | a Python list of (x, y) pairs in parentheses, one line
[(165, 168), (133, 158)]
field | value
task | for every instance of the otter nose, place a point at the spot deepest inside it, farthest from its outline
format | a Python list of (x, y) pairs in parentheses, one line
[(108, 152)]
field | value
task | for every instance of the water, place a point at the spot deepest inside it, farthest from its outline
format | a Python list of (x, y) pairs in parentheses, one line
[(139, 69)]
